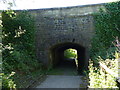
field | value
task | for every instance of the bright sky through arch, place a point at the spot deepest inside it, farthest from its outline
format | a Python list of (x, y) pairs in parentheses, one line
[(39, 4)]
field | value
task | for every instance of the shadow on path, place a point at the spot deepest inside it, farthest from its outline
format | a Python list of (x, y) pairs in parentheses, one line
[(64, 68), (64, 76)]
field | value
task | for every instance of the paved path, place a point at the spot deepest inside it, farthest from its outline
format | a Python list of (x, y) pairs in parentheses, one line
[(63, 76), (62, 81)]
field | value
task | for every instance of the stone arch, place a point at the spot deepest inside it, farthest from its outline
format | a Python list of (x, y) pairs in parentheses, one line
[(57, 54)]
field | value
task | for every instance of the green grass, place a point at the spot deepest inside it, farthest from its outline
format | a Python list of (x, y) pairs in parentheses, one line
[(62, 71), (70, 53), (55, 72)]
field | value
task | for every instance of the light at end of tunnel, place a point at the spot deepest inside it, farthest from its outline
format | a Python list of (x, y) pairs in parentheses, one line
[(70, 53)]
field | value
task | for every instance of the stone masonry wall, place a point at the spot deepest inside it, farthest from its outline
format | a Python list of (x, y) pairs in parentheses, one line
[(59, 25)]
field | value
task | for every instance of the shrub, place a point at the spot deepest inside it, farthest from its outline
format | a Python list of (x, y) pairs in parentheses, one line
[(18, 39), (7, 82), (99, 79)]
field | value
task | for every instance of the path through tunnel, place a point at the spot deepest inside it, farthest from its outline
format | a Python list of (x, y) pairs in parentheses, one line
[(58, 59)]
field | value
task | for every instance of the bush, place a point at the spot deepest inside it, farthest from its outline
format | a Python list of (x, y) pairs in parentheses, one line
[(7, 82), (18, 42), (99, 79)]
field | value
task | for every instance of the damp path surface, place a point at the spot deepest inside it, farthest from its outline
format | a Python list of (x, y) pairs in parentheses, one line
[(62, 81)]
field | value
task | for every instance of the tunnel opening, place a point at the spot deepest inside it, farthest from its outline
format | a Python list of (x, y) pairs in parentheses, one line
[(70, 57), (59, 60)]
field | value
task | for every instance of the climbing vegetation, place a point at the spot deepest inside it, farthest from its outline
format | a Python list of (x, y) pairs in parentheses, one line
[(105, 47), (107, 28)]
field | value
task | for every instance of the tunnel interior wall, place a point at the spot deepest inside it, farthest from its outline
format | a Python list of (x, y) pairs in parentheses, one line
[(57, 52)]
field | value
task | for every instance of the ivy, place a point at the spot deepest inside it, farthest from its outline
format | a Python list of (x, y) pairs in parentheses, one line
[(107, 28)]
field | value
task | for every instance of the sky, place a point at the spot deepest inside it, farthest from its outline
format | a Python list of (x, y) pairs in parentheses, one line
[(40, 4)]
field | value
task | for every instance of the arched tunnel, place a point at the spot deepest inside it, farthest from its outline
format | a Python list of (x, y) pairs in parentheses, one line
[(57, 56)]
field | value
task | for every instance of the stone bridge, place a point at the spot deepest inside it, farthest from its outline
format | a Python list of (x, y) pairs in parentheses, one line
[(58, 29)]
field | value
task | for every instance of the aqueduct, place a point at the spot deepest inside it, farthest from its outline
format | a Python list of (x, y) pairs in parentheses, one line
[(58, 29)]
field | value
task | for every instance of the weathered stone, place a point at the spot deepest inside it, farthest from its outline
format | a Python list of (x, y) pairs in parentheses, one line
[(63, 28)]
